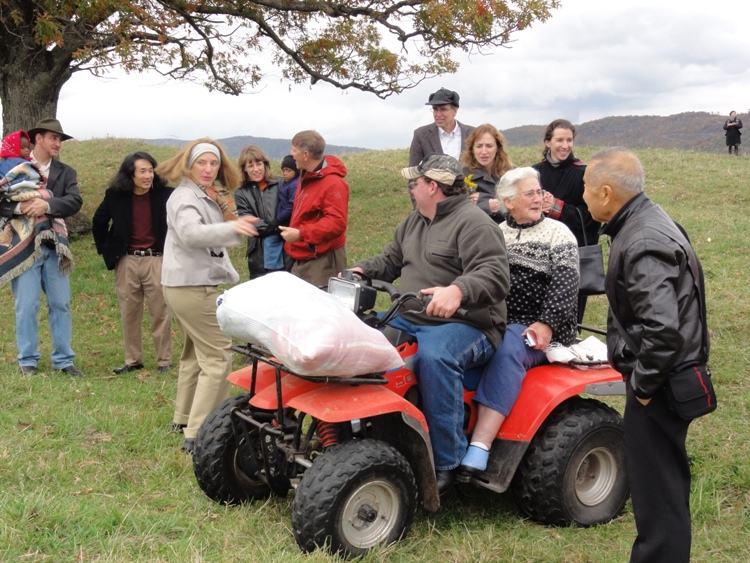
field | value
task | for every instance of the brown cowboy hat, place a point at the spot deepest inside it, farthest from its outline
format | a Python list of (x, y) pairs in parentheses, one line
[(48, 124)]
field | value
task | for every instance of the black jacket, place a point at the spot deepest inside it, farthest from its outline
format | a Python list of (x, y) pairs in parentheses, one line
[(487, 190), (733, 133), (652, 293), (112, 224), (250, 200), (565, 182)]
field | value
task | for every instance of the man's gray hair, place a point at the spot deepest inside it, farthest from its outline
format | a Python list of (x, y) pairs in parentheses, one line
[(618, 167), (507, 186)]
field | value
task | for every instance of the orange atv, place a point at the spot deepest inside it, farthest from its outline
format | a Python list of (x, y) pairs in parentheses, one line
[(357, 450)]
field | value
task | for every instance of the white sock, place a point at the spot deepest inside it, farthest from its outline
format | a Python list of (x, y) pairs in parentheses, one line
[(480, 445)]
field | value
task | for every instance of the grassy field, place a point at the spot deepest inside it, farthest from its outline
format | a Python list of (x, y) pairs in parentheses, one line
[(88, 471)]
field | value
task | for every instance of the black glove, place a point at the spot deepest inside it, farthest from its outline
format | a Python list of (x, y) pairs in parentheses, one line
[(271, 228)]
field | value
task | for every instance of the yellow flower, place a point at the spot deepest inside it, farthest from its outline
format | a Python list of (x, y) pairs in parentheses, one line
[(469, 184)]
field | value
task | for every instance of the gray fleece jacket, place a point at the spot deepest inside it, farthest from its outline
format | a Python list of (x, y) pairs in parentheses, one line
[(460, 246)]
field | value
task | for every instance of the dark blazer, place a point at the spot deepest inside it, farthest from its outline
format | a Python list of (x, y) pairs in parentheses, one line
[(112, 224), (63, 183), (426, 140)]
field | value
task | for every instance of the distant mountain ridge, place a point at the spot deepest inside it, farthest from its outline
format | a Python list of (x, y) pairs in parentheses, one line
[(275, 149), (690, 131)]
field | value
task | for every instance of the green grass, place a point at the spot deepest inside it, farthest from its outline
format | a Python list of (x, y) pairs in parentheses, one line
[(89, 473)]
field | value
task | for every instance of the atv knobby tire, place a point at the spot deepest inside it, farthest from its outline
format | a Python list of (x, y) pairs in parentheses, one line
[(574, 469), (215, 462), (356, 495)]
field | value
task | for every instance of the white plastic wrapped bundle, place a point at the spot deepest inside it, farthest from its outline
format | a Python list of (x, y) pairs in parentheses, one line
[(304, 327)]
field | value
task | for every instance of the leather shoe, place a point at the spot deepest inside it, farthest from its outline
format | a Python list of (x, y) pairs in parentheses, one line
[(126, 368), (71, 370), (176, 427), (164, 369), (28, 370), (444, 480), (188, 445)]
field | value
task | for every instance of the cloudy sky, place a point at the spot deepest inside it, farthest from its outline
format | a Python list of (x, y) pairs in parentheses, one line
[(592, 59)]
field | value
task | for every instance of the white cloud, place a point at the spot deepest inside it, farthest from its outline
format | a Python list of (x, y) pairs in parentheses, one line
[(592, 59)]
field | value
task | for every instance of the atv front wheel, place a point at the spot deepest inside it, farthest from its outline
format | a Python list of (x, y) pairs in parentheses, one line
[(574, 469), (215, 458), (356, 495)]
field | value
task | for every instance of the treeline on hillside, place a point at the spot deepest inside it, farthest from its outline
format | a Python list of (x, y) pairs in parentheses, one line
[(693, 131)]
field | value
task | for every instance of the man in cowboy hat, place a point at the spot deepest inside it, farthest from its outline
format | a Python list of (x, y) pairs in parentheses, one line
[(45, 274)]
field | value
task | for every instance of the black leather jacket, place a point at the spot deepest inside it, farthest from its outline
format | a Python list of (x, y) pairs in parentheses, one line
[(652, 293)]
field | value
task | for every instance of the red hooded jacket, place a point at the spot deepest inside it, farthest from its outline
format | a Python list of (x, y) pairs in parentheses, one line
[(320, 211)]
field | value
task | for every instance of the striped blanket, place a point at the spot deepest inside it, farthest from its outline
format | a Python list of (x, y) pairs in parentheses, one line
[(22, 237)]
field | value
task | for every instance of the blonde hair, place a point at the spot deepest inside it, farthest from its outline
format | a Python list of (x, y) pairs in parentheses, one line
[(178, 166), (500, 165), (249, 154)]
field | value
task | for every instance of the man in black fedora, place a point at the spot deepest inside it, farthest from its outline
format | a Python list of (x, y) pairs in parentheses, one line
[(46, 272)]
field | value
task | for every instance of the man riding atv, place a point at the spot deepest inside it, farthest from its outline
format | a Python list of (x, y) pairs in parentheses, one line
[(452, 250)]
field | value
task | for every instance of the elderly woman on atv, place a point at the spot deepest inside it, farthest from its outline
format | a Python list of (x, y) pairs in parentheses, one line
[(544, 277)]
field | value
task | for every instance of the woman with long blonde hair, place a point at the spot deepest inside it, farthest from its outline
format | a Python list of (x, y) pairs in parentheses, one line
[(201, 222)]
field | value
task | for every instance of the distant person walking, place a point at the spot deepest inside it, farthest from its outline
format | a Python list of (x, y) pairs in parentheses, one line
[(732, 127)]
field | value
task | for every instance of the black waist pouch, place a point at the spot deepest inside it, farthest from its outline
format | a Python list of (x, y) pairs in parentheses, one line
[(690, 392)]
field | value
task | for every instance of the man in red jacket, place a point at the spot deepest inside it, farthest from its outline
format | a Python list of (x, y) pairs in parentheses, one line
[(316, 234)]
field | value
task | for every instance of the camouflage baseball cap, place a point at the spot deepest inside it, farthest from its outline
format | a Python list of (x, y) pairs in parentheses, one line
[(439, 167)]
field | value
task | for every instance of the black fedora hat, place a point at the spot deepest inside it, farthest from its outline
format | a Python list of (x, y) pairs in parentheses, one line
[(48, 124)]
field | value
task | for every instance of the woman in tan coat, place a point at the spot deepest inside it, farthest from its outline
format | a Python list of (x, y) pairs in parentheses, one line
[(201, 223)]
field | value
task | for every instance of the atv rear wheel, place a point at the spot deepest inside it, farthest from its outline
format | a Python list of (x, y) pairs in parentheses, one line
[(356, 495), (574, 469), (215, 458)]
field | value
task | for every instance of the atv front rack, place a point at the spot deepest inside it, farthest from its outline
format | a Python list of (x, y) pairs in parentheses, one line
[(283, 427)]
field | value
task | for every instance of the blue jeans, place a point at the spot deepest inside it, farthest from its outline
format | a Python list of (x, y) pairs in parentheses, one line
[(502, 377), (45, 276), (445, 352), (273, 252)]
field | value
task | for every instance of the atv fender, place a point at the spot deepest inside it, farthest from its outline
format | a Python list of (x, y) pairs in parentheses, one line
[(243, 377), (400, 423), (266, 398), (342, 403), (545, 387)]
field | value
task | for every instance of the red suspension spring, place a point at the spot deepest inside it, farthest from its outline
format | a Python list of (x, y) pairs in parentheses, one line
[(328, 433)]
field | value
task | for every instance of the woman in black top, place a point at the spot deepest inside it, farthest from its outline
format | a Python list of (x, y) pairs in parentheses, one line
[(732, 127), (561, 177)]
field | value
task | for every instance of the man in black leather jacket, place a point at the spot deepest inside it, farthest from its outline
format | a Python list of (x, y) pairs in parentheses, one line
[(652, 293)]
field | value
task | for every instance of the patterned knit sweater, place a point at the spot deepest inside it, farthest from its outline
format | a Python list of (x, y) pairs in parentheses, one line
[(544, 277)]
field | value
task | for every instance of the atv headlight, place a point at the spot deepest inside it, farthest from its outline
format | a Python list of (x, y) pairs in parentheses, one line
[(352, 294)]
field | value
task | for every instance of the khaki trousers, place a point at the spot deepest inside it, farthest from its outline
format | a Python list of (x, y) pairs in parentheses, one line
[(138, 279), (318, 270), (206, 358)]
